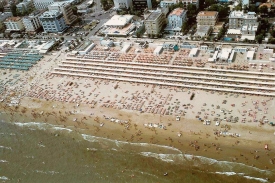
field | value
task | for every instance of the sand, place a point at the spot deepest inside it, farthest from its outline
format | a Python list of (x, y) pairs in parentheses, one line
[(112, 109)]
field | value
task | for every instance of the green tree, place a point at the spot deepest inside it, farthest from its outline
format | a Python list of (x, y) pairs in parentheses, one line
[(209, 2), (259, 38), (74, 10), (253, 8), (13, 10), (272, 32), (184, 26), (239, 7), (191, 10), (222, 9), (271, 41), (263, 9), (155, 3)]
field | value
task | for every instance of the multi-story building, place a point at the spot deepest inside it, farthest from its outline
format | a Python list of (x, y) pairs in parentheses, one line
[(7, 8), (207, 18), (175, 20), (3, 17), (154, 23), (237, 19), (246, 23), (66, 9), (53, 21), (166, 3), (24, 6), (32, 22), (140, 5), (42, 4), (123, 4), (14, 24)]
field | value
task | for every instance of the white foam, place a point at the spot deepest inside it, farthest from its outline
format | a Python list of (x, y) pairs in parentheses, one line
[(42, 126), (200, 160), (4, 178), (229, 173), (119, 143), (3, 147), (60, 128), (163, 157), (89, 138), (255, 178), (46, 172)]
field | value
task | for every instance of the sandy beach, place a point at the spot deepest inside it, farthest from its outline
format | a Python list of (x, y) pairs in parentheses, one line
[(221, 125)]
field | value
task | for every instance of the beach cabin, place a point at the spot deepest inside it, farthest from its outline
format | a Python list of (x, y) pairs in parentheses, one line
[(193, 52), (250, 55), (225, 54), (126, 48), (230, 60), (214, 58), (158, 50)]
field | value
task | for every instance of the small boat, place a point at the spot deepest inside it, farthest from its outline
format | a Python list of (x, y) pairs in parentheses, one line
[(165, 174)]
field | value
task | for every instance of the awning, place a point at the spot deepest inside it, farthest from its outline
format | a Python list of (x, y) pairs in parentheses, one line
[(249, 37)]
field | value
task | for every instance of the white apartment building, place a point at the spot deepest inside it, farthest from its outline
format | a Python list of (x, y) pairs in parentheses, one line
[(175, 20), (53, 21), (14, 24), (32, 22), (66, 9), (246, 23), (42, 4), (166, 3), (121, 4)]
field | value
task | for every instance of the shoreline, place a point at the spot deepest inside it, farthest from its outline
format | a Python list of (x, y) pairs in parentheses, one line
[(194, 142)]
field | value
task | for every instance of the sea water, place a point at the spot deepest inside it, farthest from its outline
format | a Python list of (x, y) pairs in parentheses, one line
[(39, 152)]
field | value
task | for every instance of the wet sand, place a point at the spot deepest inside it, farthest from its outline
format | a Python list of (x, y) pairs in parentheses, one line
[(195, 139)]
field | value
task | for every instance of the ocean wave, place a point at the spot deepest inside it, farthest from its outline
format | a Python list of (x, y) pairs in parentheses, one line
[(119, 143), (40, 126), (243, 175), (46, 172), (3, 147), (4, 178), (43, 126), (255, 178), (226, 166), (61, 128)]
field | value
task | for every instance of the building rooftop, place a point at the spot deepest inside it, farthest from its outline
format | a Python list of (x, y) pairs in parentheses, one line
[(203, 28), (119, 20), (236, 14), (208, 13), (177, 12), (153, 16), (50, 14), (13, 19), (269, 5), (59, 4)]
